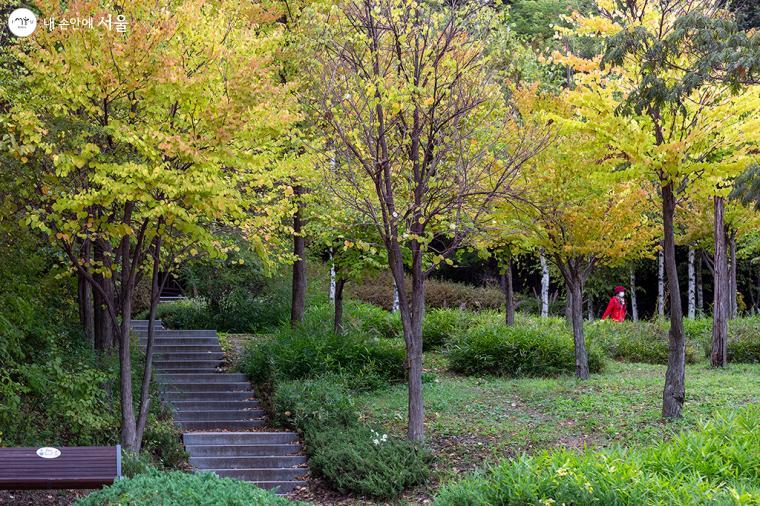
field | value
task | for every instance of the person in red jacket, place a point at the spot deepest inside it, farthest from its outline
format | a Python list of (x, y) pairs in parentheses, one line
[(616, 308)]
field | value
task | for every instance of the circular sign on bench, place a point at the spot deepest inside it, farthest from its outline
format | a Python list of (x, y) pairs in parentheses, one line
[(48, 453)]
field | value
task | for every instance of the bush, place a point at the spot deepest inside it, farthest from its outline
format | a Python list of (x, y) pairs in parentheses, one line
[(180, 489), (518, 351), (361, 460), (443, 325), (310, 350), (378, 290), (719, 464), (309, 405), (743, 340), (642, 341)]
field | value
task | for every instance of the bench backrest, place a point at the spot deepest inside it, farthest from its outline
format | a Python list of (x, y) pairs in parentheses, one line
[(75, 467)]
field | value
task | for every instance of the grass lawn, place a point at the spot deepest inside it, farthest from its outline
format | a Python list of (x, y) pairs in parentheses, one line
[(472, 421)]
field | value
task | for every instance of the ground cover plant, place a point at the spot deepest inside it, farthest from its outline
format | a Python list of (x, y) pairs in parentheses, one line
[(717, 463)]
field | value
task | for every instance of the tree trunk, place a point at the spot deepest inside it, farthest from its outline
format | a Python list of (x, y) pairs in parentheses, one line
[(298, 300), (85, 298), (718, 353), (509, 295), (574, 285), (416, 429), (590, 308), (155, 296), (674, 392), (544, 285), (102, 322), (634, 303), (732, 289), (338, 321), (331, 294), (394, 307), (660, 284), (700, 286), (692, 285)]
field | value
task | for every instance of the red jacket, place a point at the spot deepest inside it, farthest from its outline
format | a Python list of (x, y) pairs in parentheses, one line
[(615, 309)]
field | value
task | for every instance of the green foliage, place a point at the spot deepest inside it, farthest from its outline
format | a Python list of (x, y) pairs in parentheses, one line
[(181, 489), (314, 404), (312, 350), (362, 460), (719, 464), (443, 325), (642, 341), (518, 351), (743, 340)]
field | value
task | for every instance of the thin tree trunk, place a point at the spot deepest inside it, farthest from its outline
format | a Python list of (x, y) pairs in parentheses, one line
[(155, 296), (674, 392), (718, 352), (102, 324), (298, 300), (660, 284), (544, 285), (575, 288), (700, 286), (509, 295), (590, 308), (732, 289), (692, 285), (332, 277), (394, 307), (634, 303), (85, 297), (338, 320), (416, 429)]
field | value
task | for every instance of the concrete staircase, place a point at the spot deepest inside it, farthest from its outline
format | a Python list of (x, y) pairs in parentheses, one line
[(222, 422)]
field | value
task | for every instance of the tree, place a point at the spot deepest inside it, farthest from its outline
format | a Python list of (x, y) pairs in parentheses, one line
[(584, 209), (659, 63), (142, 142), (404, 91)]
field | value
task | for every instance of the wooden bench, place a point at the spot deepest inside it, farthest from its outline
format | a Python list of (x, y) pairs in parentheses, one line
[(59, 468)]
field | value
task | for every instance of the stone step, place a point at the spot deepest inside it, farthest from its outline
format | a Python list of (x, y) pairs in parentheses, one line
[(186, 364), (248, 462), (186, 348), (188, 370), (280, 487), (192, 356), (221, 425), (201, 405), (181, 341), (211, 395), (256, 475), (143, 333), (242, 450), (202, 377), (240, 438), (236, 386), (219, 414), (144, 323)]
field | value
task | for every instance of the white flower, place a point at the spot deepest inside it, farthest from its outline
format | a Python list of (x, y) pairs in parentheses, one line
[(376, 441)]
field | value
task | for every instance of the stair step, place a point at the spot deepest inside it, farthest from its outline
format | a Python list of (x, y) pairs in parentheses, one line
[(202, 377), (163, 349), (280, 487), (211, 395), (143, 333), (200, 386), (283, 474), (204, 425), (189, 355), (248, 462), (218, 414), (244, 438), (186, 364), (199, 405), (242, 450), (181, 341)]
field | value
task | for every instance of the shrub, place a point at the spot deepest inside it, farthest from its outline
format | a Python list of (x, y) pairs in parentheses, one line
[(184, 314), (361, 460), (180, 489), (518, 351), (443, 325), (378, 290), (642, 341), (743, 340), (308, 405), (310, 350), (719, 464)]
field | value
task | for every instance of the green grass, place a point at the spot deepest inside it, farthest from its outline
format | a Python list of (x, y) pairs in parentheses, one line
[(471, 421)]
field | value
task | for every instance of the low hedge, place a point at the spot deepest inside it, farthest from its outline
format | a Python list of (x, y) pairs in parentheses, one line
[(310, 350), (181, 489), (719, 464), (518, 351), (350, 456), (743, 340), (642, 341)]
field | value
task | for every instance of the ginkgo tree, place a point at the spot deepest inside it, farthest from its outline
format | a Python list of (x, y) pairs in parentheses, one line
[(142, 143), (662, 100)]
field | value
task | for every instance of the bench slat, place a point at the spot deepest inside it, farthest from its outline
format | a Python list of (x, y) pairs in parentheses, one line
[(76, 467)]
